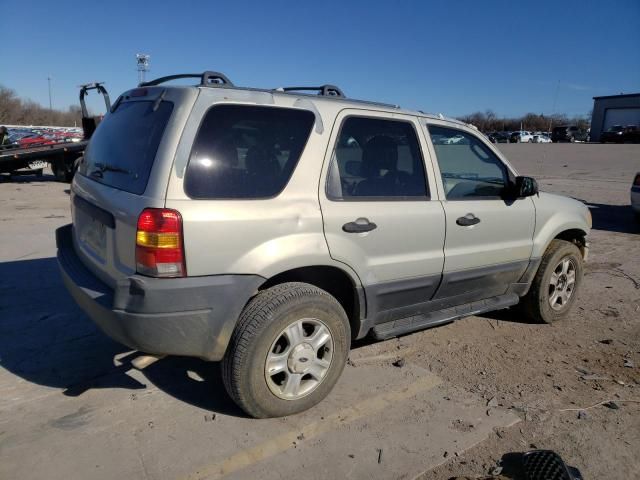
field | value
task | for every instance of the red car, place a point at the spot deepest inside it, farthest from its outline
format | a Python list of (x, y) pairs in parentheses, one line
[(35, 140)]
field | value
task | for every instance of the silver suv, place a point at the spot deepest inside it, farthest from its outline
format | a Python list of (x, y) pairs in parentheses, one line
[(270, 228)]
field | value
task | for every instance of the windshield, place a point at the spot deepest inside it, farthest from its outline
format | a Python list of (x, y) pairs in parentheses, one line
[(616, 128), (122, 149)]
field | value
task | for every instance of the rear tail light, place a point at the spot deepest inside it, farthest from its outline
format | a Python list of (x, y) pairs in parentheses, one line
[(159, 245), (636, 181)]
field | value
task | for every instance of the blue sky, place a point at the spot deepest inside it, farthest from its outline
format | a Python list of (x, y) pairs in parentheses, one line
[(453, 57)]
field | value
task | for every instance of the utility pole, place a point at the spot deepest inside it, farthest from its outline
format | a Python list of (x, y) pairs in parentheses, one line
[(50, 103), (553, 110), (49, 82), (142, 61)]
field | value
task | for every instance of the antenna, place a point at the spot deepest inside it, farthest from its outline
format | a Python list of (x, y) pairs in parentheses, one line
[(142, 61)]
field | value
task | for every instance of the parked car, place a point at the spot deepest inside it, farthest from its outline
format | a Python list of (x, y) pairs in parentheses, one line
[(614, 134), (501, 137), (631, 134), (491, 137), (202, 232), (521, 136), (540, 138), (635, 196), (568, 133)]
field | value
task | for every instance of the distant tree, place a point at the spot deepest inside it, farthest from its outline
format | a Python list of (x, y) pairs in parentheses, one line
[(16, 111)]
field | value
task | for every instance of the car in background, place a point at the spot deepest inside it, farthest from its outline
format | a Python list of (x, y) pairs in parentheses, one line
[(568, 133), (36, 140), (541, 138), (453, 140), (631, 134), (635, 196), (501, 137), (614, 134), (521, 136), (491, 137)]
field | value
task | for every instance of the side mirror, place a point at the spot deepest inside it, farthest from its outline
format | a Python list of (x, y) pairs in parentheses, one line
[(525, 187)]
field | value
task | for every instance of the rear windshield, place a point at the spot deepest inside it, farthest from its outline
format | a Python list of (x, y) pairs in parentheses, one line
[(246, 151), (123, 147)]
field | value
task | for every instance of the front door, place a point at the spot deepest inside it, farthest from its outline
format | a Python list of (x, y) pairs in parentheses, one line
[(489, 239), (378, 214)]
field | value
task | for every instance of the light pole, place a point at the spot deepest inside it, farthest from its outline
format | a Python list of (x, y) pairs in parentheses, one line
[(49, 82), (553, 109), (50, 103), (142, 61)]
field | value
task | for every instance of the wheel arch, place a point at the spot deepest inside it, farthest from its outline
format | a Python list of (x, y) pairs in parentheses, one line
[(575, 235), (335, 281)]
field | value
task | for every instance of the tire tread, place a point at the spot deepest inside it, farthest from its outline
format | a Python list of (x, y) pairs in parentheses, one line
[(258, 312), (531, 302)]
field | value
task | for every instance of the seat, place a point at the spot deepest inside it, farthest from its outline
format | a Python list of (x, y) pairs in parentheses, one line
[(379, 168), (263, 170)]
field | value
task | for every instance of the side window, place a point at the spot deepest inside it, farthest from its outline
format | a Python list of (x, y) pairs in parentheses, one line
[(470, 170), (376, 159), (246, 151)]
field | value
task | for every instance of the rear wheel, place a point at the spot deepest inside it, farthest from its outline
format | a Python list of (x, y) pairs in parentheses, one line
[(287, 351), (61, 171), (556, 283)]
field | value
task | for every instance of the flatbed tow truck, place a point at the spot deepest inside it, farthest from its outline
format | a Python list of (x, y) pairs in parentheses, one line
[(61, 156)]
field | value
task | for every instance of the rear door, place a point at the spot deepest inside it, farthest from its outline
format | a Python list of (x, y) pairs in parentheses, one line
[(379, 215), (124, 170), (489, 240)]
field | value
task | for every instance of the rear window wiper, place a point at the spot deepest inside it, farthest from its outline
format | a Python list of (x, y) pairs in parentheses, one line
[(105, 167)]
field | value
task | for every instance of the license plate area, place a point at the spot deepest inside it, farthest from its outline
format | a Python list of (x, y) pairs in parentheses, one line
[(93, 237)]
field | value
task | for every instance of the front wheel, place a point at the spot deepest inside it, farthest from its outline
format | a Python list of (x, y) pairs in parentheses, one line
[(556, 283), (287, 351)]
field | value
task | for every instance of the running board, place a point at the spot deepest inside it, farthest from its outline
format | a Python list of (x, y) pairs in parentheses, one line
[(438, 317)]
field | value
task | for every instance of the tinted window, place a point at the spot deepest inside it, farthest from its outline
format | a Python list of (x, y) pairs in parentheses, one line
[(246, 151), (470, 170), (123, 147), (376, 158)]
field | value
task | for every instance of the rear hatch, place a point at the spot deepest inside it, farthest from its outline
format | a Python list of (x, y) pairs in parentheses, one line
[(125, 169)]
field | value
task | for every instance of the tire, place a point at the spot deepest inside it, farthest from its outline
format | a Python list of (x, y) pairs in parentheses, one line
[(536, 304), (572, 140), (61, 172), (260, 335)]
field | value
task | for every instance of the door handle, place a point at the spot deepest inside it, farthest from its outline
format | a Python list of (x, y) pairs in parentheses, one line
[(468, 220), (361, 225)]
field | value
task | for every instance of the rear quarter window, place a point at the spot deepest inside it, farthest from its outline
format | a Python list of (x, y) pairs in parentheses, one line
[(246, 152), (123, 148)]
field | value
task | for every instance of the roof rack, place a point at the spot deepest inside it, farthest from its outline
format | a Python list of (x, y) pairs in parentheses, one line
[(207, 79), (323, 90)]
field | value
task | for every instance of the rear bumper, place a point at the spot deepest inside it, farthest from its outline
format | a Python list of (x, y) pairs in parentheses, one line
[(191, 316)]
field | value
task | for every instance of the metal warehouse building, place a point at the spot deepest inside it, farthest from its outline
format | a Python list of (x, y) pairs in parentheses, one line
[(614, 110)]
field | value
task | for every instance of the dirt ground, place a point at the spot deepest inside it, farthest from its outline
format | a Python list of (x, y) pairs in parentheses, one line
[(547, 373), (464, 396)]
